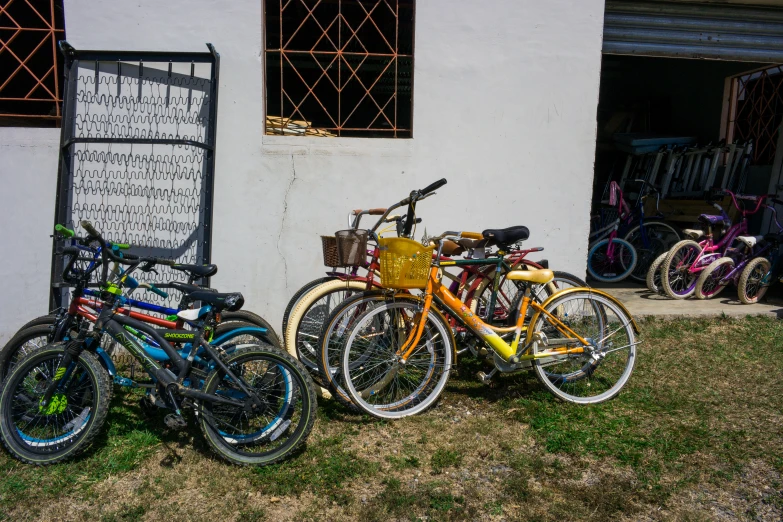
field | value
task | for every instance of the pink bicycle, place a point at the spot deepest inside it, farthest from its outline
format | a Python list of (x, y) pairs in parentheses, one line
[(687, 259)]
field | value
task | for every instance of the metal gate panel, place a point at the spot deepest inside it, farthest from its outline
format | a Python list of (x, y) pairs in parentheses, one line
[(721, 32), (137, 153)]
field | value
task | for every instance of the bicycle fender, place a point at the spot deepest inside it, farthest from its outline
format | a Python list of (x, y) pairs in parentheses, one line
[(566, 291)]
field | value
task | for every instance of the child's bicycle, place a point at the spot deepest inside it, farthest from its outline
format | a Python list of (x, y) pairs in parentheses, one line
[(687, 259), (728, 269), (398, 353)]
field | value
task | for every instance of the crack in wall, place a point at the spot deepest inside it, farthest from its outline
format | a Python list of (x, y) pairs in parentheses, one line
[(282, 220)]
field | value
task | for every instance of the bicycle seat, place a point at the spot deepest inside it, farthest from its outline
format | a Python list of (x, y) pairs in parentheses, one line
[(506, 236), (539, 277), (711, 219), (750, 241), (450, 248), (189, 289), (197, 270), (229, 302)]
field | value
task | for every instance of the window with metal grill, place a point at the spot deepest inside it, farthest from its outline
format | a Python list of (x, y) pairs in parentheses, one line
[(756, 111), (30, 62), (339, 68)]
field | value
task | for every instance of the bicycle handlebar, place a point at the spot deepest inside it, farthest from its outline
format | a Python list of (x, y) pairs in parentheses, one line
[(433, 186), (66, 232), (416, 195)]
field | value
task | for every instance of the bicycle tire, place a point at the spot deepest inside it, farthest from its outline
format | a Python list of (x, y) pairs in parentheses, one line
[(594, 261), (581, 378), (328, 347), (300, 387), (704, 288), (247, 316), (298, 295), (9, 355), (433, 383), (300, 313), (746, 283), (681, 270), (38, 321), (653, 279), (645, 258), (550, 289), (82, 436)]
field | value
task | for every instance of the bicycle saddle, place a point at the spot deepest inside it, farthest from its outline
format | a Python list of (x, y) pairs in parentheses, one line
[(540, 277), (506, 236), (197, 270), (229, 302), (750, 241), (710, 219), (189, 289)]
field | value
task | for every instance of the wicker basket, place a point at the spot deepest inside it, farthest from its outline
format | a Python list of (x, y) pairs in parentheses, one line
[(405, 264), (351, 246), (329, 244)]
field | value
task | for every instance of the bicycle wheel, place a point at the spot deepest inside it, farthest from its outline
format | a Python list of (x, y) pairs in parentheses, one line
[(245, 316), (540, 293), (73, 417), (754, 280), (677, 281), (611, 269), (377, 379), (266, 434), (298, 296), (711, 280), (39, 321), (23, 343), (655, 239), (333, 338), (308, 317), (653, 279), (604, 367), (237, 335)]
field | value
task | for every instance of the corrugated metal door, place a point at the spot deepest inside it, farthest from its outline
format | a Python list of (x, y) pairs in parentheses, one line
[(721, 32)]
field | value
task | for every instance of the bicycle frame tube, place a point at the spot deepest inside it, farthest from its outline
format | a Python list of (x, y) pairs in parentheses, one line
[(710, 248), (163, 323), (143, 305), (480, 328)]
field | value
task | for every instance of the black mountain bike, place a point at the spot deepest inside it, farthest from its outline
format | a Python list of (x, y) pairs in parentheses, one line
[(255, 405)]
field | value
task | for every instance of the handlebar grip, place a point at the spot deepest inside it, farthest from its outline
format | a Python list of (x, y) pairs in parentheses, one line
[(433, 187), (130, 282), (121, 246), (155, 290), (86, 225), (67, 232), (376, 211), (472, 235), (69, 251), (130, 257), (165, 262)]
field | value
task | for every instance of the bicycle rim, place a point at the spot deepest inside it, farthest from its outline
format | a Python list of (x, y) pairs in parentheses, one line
[(601, 371), (377, 381)]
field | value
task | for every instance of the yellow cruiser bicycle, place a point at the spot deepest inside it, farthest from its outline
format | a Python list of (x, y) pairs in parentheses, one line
[(398, 351)]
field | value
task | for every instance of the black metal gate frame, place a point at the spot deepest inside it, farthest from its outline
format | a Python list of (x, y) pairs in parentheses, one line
[(68, 139)]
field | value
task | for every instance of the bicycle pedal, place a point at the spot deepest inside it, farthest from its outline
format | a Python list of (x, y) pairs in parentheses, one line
[(174, 421), (486, 377)]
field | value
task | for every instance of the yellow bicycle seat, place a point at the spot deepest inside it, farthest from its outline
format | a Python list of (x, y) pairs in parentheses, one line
[(539, 277)]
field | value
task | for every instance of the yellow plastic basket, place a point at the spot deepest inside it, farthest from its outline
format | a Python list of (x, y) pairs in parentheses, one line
[(404, 263)]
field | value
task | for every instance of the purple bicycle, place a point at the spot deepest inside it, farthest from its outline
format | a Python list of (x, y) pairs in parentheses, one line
[(728, 268), (688, 259)]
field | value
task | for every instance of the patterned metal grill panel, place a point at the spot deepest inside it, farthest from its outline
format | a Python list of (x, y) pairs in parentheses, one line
[(138, 155)]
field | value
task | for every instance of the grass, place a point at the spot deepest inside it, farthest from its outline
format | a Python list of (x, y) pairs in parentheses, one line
[(696, 435)]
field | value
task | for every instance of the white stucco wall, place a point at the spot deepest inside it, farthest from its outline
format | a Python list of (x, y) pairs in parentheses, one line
[(505, 101), (28, 170)]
